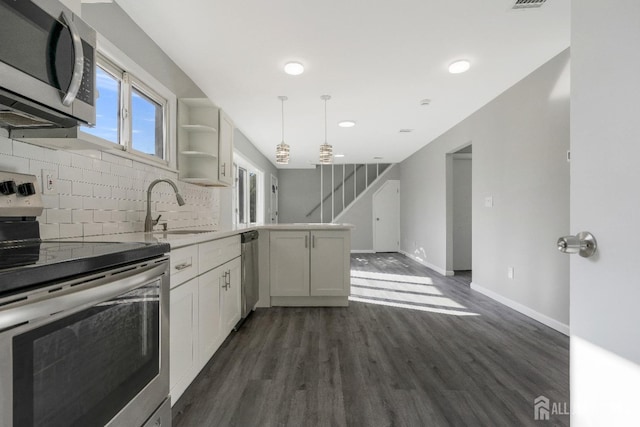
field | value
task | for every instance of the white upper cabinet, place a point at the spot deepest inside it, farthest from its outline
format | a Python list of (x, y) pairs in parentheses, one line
[(205, 143)]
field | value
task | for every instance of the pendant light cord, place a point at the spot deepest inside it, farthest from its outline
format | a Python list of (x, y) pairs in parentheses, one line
[(325, 120), (282, 101)]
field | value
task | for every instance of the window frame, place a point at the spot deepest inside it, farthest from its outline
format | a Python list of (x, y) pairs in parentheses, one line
[(240, 163), (131, 76)]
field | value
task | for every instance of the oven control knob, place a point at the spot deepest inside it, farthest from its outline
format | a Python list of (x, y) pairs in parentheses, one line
[(8, 187), (27, 189)]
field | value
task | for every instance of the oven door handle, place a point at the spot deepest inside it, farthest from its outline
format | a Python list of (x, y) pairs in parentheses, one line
[(102, 290)]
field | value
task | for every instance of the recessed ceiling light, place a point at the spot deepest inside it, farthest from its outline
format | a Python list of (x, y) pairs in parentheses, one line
[(458, 67), (406, 130), (377, 158), (294, 68), (347, 124), (338, 156), (425, 102)]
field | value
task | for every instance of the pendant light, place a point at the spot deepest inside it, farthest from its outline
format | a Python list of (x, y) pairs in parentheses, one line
[(326, 150), (282, 149)]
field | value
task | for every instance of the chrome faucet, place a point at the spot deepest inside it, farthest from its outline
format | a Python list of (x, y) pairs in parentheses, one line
[(148, 222)]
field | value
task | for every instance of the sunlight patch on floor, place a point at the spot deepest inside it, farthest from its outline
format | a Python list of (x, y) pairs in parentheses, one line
[(395, 286), (405, 297), (403, 291), (413, 307), (420, 280)]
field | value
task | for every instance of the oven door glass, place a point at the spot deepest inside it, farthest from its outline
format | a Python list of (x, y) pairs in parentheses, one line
[(82, 369), (36, 43)]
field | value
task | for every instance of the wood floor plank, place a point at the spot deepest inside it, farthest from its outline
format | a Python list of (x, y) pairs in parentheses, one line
[(374, 365)]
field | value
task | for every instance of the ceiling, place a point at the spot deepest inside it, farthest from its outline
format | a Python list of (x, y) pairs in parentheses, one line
[(377, 60)]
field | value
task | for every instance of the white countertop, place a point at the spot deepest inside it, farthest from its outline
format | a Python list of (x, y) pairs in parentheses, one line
[(179, 240)]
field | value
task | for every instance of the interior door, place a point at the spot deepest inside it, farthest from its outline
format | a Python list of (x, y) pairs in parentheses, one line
[(605, 200), (386, 217)]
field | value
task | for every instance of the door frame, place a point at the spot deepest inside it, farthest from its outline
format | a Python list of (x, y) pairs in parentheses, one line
[(449, 206)]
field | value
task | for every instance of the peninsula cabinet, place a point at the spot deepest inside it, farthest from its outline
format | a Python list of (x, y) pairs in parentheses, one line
[(309, 267), (205, 143)]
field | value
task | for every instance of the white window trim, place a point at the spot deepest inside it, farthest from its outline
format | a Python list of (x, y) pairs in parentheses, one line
[(241, 162), (141, 79)]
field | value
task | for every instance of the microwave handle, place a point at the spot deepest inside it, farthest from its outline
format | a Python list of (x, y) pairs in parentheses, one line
[(78, 66), (29, 311)]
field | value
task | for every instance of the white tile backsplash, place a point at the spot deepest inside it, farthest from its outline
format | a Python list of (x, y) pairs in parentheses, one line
[(102, 193)]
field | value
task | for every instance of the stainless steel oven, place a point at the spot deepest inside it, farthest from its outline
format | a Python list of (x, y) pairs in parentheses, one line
[(92, 351), (47, 63), (84, 326)]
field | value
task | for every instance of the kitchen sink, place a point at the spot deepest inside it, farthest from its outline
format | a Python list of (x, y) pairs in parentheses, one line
[(183, 231)]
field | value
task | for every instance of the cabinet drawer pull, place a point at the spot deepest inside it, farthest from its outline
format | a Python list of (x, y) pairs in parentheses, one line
[(306, 241), (183, 266), (313, 241)]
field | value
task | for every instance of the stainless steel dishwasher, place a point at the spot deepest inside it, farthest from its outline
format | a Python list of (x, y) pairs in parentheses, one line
[(249, 279)]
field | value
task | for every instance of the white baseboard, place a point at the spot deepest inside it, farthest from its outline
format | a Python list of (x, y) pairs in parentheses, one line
[(363, 251), (439, 270), (545, 320)]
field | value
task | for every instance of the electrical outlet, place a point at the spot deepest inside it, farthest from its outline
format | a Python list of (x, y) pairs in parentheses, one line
[(510, 272), (49, 181), (488, 202)]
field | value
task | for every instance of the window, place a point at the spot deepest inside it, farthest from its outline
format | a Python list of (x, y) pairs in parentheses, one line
[(147, 118), (130, 111), (249, 192), (108, 83)]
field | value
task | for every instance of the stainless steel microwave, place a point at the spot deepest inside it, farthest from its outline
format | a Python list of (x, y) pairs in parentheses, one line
[(47, 66)]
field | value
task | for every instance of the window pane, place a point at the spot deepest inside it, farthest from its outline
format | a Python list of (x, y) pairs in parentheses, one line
[(242, 177), (146, 125), (252, 197), (107, 108)]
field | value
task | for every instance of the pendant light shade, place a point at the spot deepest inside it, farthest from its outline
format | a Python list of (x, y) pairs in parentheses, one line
[(326, 150), (282, 149)]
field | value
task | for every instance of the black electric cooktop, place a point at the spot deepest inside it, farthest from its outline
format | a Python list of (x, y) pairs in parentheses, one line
[(35, 263)]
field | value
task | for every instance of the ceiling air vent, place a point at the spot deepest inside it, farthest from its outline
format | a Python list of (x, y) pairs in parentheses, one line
[(527, 4)]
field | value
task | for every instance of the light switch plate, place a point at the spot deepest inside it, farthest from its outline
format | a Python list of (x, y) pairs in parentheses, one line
[(488, 202), (510, 273)]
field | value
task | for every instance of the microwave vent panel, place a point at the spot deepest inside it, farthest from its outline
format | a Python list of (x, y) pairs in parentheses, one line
[(15, 119)]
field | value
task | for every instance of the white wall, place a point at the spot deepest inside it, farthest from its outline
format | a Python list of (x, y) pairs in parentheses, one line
[(519, 141), (461, 215), (113, 23), (605, 200)]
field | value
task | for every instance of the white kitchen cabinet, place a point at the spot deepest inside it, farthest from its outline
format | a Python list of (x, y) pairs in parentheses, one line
[(225, 150), (204, 306), (209, 314), (230, 296), (205, 143), (289, 259), (309, 264), (183, 338), (330, 263)]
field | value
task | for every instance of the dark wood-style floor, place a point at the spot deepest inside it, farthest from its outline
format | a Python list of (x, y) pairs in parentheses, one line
[(413, 349)]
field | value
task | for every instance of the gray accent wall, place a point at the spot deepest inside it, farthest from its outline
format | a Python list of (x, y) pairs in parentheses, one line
[(299, 193), (520, 140), (360, 214)]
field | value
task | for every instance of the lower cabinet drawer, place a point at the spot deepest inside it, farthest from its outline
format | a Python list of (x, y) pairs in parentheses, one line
[(184, 264), (217, 252)]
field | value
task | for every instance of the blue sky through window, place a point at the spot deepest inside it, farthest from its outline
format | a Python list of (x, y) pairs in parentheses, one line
[(107, 107), (145, 116)]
